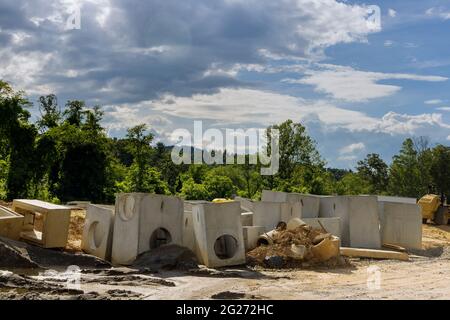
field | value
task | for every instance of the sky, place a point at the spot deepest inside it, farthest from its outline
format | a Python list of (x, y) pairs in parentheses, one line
[(358, 86)]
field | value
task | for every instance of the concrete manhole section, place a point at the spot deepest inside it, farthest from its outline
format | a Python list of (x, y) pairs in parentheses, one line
[(159, 238), (225, 247)]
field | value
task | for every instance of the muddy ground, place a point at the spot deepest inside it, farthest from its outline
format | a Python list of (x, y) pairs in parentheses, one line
[(426, 276)]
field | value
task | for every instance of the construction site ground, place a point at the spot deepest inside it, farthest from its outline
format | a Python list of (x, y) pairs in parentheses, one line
[(426, 276)]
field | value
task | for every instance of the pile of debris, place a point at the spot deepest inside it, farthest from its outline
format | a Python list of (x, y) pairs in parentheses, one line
[(296, 245)]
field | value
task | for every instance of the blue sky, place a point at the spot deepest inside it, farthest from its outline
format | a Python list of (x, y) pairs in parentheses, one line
[(357, 87)]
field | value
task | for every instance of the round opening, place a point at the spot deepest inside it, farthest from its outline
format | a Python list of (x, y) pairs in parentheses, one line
[(95, 236), (225, 247), (160, 237), (262, 242), (127, 210)]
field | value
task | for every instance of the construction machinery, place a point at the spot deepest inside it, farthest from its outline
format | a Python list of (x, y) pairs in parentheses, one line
[(433, 208)]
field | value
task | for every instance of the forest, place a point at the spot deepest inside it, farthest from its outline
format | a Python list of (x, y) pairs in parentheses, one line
[(66, 155)]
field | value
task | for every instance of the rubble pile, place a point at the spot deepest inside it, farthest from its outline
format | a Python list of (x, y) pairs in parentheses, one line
[(302, 246)]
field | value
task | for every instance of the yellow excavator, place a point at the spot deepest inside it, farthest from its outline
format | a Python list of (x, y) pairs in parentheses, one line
[(433, 208)]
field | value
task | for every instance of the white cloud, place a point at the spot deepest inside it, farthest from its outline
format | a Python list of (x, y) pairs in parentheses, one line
[(444, 109), (346, 83), (392, 13), (252, 108), (388, 43), (347, 158), (439, 12), (433, 101), (354, 147), (448, 138)]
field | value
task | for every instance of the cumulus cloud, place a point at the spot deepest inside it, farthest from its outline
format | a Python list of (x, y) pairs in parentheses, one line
[(433, 101), (131, 51), (439, 12), (352, 148), (348, 84), (392, 13)]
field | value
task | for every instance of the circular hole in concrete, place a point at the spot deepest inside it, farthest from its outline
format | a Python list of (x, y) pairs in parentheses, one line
[(95, 236), (127, 210), (225, 247), (159, 238)]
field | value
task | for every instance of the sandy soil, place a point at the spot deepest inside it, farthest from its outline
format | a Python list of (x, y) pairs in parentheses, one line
[(426, 276)]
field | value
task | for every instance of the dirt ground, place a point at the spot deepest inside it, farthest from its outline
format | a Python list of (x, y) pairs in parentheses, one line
[(426, 276)]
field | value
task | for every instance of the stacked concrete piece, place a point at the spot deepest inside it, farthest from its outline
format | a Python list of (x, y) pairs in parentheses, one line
[(98, 231), (310, 203), (144, 222), (11, 224), (219, 234)]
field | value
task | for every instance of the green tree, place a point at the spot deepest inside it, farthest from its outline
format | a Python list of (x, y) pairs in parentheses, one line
[(405, 172), (352, 184), (50, 112), (74, 112), (139, 144), (440, 169), (375, 171)]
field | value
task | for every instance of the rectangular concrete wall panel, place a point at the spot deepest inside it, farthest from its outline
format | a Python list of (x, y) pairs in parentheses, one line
[(11, 224), (219, 235), (188, 231), (337, 207), (98, 231), (273, 196), (247, 219), (144, 222), (364, 222), (290, 211), (397, 199), (266, 214), (331, 225), (251, 235), (402, 225), (246, 204)]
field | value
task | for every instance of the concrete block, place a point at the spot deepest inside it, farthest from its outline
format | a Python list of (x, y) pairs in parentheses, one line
[(188, 239), (310, 203), (337, 207), (11, 224), (266, 214), (269, 214), (246, 204), (218, 233), (332, 225), (397, 199), (247, 219), (144, 222), (98, 231), (401, 225), (251, 235), (364, 222), (188, 204), (55, 222)]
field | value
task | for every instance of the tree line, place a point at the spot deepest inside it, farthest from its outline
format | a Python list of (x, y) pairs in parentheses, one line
[(66, 155)]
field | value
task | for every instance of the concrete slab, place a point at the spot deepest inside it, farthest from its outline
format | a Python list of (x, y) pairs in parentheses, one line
[(290, 211), (246, 204), (401, 225), (188, 240), (55, 222), (11, 224), (310, 203), (337, 207), (251, 235), (144, 222), (98, 231), (397, 199), (218, 233), (364, 222), (247, 219), (332, 225), (266, 214)]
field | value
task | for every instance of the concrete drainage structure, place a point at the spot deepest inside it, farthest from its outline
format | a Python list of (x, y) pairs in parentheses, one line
[(55, 222), (10, 224), (251, 235), (144, 222), (310, 203), (218, 234), (98, 231), (270, 214), (401, 224)]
